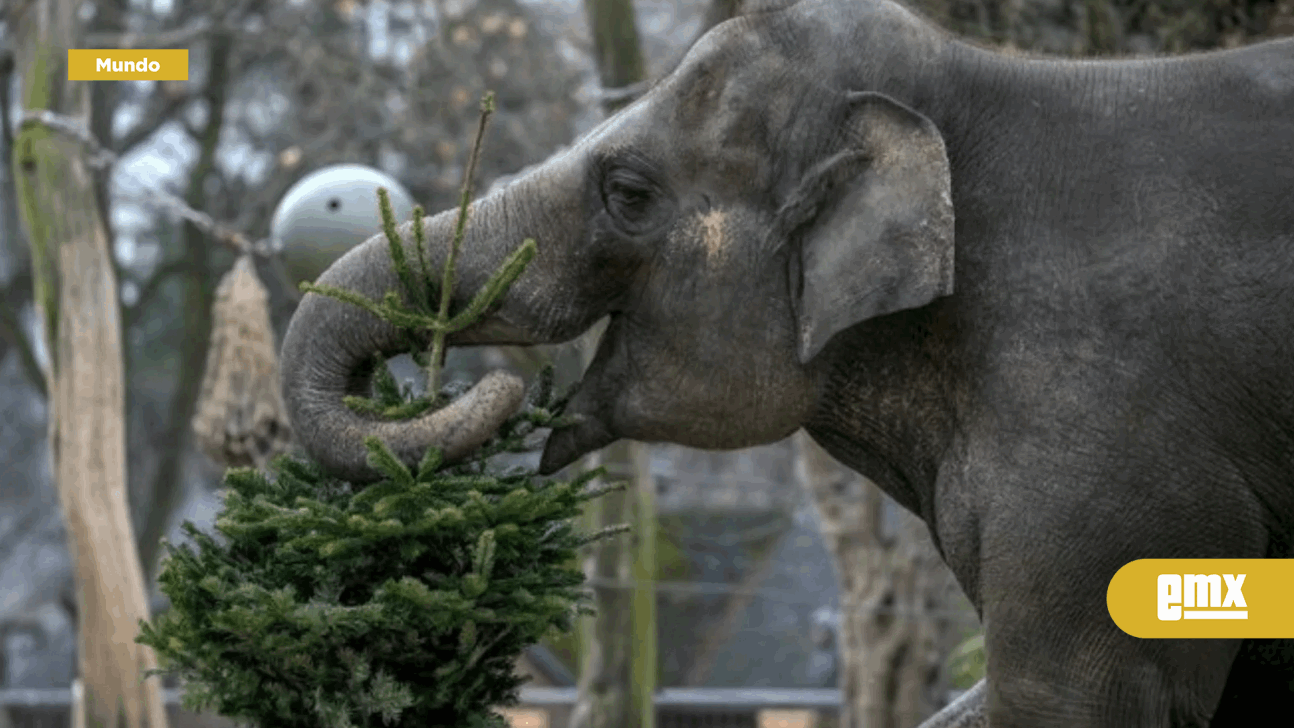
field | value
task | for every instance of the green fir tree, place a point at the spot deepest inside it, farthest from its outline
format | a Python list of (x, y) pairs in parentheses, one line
[(405, 603)]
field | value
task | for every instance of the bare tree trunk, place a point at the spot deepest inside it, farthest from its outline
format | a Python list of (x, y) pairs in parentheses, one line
[(76, 294), (617, 682), (642, 673), (166, 490), (890, 644), (616, 47), (15, 292), (606, 640), (617, 662)]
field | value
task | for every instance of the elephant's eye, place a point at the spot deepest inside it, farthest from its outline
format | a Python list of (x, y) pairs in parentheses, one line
[(631, 199)]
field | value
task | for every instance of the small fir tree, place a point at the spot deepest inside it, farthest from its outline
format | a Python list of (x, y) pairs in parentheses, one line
[(404, 603)]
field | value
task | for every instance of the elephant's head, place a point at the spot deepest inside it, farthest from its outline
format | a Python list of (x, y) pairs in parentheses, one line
[(731, 221)]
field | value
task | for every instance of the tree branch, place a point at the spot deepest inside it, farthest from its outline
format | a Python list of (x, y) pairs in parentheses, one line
[(214, 19), (199, 293), (159, 109), (11, 327), (166, 39), (6, 73), (99, 157), (148, 289)]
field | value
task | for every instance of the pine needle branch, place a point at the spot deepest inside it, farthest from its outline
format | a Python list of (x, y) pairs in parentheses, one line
[(460, 227), (322, 604)]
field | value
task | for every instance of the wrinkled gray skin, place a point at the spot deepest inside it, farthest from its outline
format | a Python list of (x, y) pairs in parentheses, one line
[(1093, 364)]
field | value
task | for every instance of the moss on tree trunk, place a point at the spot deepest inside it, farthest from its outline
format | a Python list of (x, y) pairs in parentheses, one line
[(76, 293)]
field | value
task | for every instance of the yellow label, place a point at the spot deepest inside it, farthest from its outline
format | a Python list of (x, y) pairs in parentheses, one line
[(112, 64), (1204, 598)]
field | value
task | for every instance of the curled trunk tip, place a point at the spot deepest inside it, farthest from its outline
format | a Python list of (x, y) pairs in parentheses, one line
[(336, 438)]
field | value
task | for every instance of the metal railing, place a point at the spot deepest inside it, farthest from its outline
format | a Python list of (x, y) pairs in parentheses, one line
[(734, 698)]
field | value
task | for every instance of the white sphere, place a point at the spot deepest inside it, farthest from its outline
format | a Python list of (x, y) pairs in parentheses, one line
[(330, 211)]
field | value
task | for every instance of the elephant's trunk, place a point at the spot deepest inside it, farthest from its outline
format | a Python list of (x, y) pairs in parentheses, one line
[(329, 343)]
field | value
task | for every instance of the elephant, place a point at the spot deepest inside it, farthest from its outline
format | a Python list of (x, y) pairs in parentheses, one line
[(330, 211), (1047, 305)]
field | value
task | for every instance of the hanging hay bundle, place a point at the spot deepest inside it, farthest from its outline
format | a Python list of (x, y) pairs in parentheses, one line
[(240, 419)]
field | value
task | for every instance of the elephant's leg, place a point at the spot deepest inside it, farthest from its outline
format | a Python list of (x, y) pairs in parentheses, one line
[(1055, 656), (967, 711), (1076, 669)]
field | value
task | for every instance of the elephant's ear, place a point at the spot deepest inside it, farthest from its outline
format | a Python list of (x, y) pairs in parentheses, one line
[(874, 223)]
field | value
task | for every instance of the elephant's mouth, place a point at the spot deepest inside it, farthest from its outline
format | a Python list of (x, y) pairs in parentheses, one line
[(589, 401), (567, 445)]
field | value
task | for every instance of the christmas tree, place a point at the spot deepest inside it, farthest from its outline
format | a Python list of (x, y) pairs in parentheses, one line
[(404, 603)]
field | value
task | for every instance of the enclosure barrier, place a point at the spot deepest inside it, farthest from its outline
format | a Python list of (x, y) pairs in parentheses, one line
[(676, 707)]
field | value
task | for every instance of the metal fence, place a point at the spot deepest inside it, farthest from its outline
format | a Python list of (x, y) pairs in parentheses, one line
[(676, 707)]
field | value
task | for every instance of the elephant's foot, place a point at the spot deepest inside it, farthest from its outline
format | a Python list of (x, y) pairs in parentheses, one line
[(966, 711)]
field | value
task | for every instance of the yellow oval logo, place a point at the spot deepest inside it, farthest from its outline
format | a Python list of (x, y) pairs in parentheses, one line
[(1204, 598)]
